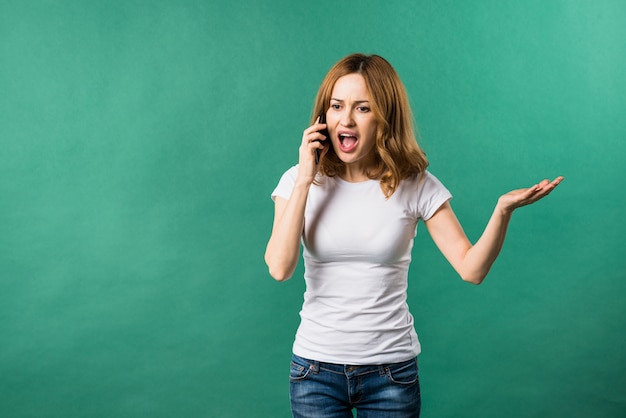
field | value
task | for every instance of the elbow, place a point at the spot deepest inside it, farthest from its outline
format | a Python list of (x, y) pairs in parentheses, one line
[(280, 275), (474, 274), (281, 264), (474, 279), (277, 270)]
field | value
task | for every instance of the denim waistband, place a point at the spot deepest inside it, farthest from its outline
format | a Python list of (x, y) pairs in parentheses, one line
[(348, 369)]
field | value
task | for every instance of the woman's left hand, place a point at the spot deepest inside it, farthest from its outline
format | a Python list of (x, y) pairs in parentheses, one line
[(522, 197)]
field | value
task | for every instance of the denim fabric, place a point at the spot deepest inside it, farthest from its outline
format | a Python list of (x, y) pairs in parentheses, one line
[(327, 390)]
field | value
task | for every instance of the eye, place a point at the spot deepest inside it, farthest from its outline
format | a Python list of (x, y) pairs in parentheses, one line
[(363, 109), (335, 106)]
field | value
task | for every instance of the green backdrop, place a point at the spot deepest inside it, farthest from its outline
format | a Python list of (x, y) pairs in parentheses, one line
[(139, 144)]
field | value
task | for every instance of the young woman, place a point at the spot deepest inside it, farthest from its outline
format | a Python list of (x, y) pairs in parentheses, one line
[(356, 213)]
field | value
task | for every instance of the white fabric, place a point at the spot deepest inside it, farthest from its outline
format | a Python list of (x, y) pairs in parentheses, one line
[(357, 250)]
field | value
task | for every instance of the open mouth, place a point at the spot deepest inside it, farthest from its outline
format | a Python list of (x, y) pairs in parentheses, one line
[(347, 142)]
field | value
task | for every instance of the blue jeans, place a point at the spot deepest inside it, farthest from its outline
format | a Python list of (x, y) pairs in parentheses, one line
[(327, 390)]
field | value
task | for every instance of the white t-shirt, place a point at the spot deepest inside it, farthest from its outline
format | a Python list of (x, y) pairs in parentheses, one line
[(357, 251)]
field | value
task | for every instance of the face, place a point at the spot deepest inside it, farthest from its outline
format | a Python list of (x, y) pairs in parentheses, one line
[(351, 122)]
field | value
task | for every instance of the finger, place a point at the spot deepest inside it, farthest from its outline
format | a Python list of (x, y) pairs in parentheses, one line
[(553, 183), (545, 189), (549, 186), (312, 131), (557, 180), (316, 137), (317, 126), (317, 149), (315, 144), (312, 128), (531, 191), (541, 188)]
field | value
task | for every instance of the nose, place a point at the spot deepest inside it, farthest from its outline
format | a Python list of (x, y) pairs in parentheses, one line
[(347, 118)]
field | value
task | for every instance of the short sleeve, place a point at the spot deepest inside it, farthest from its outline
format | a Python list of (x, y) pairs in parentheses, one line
[(285, 184), (431, 194)]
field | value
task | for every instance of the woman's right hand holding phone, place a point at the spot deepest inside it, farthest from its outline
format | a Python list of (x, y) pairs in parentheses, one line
[(312, 140)]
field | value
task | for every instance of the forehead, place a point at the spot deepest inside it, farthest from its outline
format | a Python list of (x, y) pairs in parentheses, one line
[(350, 86)]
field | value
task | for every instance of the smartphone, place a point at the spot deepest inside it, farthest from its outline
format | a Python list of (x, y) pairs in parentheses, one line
[(324, 132)]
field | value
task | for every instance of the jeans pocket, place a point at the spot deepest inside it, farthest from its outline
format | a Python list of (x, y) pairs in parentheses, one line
[(299, 370), (403, 373)]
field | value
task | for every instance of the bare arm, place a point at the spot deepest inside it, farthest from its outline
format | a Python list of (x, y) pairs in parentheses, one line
[(283, 248), (473, 262)]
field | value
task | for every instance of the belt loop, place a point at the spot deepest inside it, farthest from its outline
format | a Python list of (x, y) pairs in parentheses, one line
[(315, 366)]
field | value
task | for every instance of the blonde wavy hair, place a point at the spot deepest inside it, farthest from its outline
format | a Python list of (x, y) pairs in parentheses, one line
[(397, 153)]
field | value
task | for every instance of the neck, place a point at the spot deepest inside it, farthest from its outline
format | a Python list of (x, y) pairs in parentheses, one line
[(354, 173)]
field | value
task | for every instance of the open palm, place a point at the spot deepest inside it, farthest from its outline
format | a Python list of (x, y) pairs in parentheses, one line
[(523, 197)]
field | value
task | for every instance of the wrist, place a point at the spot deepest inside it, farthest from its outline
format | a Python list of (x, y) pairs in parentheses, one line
[(303, 183), (503, 209)]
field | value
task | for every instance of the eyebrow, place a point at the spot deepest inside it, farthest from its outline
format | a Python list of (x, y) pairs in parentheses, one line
[(356, 101)]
